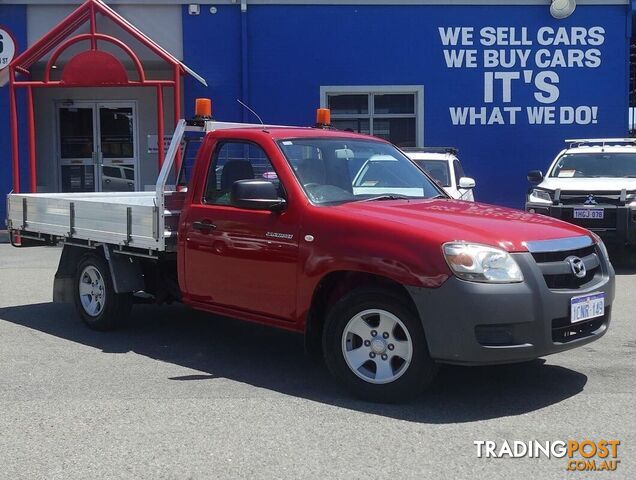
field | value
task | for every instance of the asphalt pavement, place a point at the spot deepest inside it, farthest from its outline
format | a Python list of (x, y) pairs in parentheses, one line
[(178, 394)]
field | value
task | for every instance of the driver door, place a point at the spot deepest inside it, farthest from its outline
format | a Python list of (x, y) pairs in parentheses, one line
[(236, 258)]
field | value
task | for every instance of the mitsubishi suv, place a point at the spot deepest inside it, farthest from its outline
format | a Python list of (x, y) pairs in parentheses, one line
[(591, 183)]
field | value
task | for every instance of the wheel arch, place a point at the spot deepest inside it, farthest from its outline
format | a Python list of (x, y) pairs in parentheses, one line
[(125, 271), (333, 286)]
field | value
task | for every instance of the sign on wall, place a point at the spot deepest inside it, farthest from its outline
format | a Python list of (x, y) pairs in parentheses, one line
[(153, 144), (7, 48), (522, 71)]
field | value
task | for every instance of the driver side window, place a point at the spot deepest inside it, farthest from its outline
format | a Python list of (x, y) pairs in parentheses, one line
[(233, 161)]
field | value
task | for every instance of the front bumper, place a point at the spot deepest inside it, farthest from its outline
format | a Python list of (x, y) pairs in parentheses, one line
[(480, 324), (618, 227)]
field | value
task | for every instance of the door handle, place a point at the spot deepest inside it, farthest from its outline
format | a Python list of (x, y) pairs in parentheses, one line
[(203, 226)]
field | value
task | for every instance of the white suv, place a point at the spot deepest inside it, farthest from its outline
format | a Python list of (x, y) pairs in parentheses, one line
[(442, 164), (592, 183)]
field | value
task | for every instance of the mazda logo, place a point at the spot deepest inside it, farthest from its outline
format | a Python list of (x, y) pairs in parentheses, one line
[(577, 266)]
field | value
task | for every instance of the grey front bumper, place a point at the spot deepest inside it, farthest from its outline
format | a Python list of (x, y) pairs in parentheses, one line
[(478, 323)]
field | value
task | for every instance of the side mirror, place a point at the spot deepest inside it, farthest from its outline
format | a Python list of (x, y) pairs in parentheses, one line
[(535, 176), (256, 195), (466, 183)]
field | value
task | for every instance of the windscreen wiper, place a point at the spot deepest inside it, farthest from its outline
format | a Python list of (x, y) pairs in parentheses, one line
[(386, 196)]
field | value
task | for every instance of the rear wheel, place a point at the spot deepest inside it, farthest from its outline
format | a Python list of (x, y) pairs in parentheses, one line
[(96, 301), (374, 345)]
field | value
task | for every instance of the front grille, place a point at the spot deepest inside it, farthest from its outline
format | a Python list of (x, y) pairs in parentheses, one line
[(602, 198), (544, 257), (563, 331), (567, 280), (608, 220)]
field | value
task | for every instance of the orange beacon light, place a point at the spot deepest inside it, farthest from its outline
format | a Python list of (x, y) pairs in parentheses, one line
[(203, 108), (323, 118)]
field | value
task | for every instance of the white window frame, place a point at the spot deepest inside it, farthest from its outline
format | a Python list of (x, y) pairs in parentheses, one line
[(417, 90)]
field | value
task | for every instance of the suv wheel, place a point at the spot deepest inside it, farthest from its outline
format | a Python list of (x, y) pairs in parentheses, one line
[(374, 345)]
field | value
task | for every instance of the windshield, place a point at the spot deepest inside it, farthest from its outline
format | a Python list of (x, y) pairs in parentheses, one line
[(438, 169), (591, 165), (333, 170)]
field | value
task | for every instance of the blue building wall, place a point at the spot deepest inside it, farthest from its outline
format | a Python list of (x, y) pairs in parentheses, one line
[(293, 50), (12, 18)]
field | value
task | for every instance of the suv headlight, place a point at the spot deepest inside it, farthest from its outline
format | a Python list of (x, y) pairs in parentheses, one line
[(540, 196), (481, 263)]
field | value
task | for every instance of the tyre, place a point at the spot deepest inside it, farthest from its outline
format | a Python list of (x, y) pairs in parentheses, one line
[(374, 345), (96, 301)]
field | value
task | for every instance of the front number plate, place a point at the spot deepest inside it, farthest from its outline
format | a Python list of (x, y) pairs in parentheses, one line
[(592, 213), (587, 306)]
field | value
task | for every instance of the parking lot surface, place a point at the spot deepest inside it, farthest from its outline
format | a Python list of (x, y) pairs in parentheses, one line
[(181, 394)]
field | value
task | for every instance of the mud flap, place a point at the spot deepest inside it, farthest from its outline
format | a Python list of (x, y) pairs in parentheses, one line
[(125, 271), (63, 281)]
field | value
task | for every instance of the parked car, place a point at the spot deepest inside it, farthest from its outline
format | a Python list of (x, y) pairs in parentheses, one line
[(385, 282), (118, 178), (443, 165), (591, 183)]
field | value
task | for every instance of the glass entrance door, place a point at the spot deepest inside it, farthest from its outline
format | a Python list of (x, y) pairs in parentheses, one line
[(117, 147), (78, 152), (98, 148)]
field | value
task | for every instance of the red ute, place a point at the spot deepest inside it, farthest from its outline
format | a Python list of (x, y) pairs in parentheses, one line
[(341, 237)]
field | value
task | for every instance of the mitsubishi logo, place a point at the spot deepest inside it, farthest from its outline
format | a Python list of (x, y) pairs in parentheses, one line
[(577, 266), (591, 200)]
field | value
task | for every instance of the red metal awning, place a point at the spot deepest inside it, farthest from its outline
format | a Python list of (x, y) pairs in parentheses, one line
[(86, 13), (90, 68)]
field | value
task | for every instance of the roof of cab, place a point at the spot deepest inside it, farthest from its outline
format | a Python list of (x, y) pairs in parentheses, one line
[(281, 133), (600, 145), (600, 149), (430, 156)]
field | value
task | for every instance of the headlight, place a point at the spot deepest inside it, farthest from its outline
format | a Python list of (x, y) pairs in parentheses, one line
[(481, 263), (540, 196)]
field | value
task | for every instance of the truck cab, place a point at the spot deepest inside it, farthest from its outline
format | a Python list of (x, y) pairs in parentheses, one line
[(443, 165)]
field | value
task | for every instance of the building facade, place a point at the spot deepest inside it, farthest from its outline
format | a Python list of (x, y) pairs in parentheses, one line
[(505, 82)]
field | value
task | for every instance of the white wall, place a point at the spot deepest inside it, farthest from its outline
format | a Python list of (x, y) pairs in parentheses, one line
[(164, 25)]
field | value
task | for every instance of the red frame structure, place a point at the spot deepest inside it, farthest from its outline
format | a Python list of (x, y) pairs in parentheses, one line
[(90, 68)]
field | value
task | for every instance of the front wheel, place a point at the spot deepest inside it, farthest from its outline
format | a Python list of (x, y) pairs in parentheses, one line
[(375, 346), (96, 301)]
